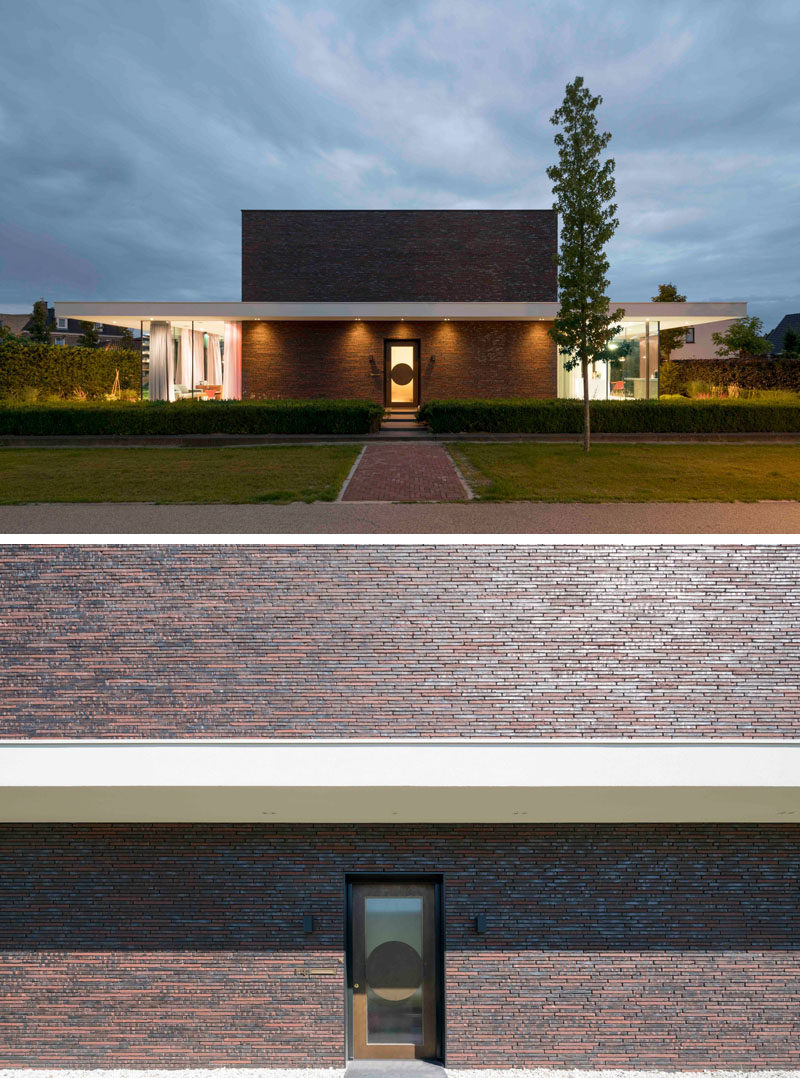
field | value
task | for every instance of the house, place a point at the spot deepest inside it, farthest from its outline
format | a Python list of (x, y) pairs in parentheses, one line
[(789, 321), (64, 330), (700, 342), (498, 806), (396, 306)]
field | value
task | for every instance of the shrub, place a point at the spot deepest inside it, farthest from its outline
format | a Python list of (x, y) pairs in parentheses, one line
[(611, 417), (27, 367), (677, 375), (190, 417)]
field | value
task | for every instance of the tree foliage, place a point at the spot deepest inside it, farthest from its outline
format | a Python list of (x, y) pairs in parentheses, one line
[(90, 337), (742, 338), (670, 340), (791, 342), (39, 331), (584, 189)]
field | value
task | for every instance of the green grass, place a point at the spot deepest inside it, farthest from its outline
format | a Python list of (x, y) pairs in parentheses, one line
[(249, 474), (630, 473)]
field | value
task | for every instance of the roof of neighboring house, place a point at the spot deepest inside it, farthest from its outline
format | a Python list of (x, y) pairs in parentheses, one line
[(15, 322), (400, 640), (789, 321), (20, 323)]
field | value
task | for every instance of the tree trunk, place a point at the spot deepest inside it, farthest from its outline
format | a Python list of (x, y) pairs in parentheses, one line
[(586, 424)]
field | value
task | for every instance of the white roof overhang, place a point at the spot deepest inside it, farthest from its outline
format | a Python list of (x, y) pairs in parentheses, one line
[(401, 781), (212, 316)]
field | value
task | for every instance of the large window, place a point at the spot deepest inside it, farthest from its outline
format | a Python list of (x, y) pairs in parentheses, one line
[(630, 374)]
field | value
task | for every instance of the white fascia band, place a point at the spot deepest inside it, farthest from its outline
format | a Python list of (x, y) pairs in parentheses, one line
[(401, 780)]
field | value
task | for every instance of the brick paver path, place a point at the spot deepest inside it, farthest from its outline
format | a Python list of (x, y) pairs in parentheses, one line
[(405, 473)]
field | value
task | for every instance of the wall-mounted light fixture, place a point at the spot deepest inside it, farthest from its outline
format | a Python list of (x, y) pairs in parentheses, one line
[(480, 924), (308, 922)]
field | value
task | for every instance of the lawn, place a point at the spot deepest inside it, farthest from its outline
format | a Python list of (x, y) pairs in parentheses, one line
[(249, 474), (629, 473)]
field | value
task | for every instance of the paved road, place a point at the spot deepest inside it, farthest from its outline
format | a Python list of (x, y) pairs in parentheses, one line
[(381, 518)]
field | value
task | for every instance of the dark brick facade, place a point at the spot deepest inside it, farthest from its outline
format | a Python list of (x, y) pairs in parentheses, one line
[(399, 255), (345, 359), (363, 641), (656, 946)]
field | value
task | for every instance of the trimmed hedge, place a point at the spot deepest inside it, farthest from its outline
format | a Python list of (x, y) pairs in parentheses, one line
[(59, 372), (676, 375), (609, 417), (191, 417)]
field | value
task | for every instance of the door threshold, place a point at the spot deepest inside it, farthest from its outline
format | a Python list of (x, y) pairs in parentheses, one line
[(394, 1068)]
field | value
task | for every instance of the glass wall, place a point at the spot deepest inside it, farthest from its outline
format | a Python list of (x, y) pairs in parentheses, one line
[(630, 374)]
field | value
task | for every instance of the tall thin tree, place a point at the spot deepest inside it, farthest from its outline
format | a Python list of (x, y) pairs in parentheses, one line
[(584, 189)]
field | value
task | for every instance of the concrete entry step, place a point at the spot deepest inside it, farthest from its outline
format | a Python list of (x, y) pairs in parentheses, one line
[(394, 1068), (403, 422)]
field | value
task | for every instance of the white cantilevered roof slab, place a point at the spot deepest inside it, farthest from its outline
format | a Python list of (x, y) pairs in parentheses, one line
[(401, 781), (212, 316)]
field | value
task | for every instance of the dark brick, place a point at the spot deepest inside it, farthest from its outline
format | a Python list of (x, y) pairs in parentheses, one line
[(606, 946), (345, 359), (399, 255), (371, 641)]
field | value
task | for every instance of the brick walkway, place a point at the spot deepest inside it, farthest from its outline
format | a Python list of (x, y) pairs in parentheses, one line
[(405, 473)]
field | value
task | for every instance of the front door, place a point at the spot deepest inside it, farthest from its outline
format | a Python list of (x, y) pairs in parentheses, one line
[(394, 970), (401, 373)]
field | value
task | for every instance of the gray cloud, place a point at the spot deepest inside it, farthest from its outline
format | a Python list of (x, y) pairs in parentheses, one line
[(131, 135)]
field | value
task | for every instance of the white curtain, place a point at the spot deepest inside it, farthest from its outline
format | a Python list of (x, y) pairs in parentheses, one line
[(232, 375), (199, 364), (214, 360), (184, 377), (162, 381)]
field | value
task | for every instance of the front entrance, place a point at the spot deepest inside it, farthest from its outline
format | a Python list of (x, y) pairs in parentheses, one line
[(401, 373), (394, 963)]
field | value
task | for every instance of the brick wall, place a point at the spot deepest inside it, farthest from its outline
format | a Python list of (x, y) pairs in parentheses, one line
[(399, 255), (345, 359), (600, 640), (607, 946)]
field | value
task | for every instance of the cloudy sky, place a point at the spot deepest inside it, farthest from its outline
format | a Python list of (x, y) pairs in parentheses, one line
[(133, 133)]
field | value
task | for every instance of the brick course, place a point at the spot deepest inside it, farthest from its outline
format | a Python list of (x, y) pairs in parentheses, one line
[(607, 946), (399, 255), (600, 640), (345, 359)]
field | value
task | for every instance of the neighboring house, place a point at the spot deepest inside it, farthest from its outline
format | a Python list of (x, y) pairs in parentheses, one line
[(63, 330), (776, 336), (508, 807), (699, 341), (396, 306)]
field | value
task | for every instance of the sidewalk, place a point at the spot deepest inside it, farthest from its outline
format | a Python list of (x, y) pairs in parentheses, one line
[(352, 518)]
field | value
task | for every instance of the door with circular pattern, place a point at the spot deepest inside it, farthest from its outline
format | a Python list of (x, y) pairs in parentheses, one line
[(394, 969), (401, 373)]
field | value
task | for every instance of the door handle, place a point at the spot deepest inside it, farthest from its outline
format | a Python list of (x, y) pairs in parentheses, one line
[(355, 986)]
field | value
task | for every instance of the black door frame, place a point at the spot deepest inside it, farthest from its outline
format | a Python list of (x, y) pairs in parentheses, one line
[(387, 381), (437, 880)]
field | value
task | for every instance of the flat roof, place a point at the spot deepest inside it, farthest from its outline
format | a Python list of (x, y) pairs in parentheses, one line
[(211, 316)]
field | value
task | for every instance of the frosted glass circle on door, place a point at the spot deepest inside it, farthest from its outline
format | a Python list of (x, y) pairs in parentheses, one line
[(402, 374), (394, 970)]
